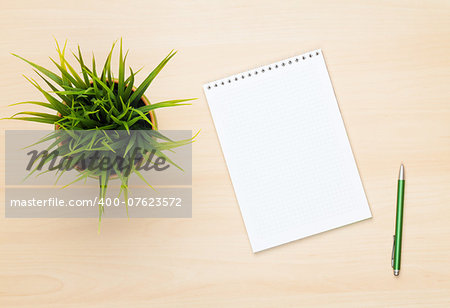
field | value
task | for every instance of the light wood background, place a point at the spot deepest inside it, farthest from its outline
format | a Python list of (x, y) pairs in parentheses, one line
[(389, 63)]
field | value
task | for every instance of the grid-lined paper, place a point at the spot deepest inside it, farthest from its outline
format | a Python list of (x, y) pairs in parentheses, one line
[(287, 151)]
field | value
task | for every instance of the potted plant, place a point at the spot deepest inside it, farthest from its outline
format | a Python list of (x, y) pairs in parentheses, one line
[(93, 111)]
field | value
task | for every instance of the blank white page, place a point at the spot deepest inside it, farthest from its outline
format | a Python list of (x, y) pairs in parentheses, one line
[(287, 150)]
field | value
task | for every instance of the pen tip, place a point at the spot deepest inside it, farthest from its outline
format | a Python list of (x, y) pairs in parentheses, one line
[(401, 175)]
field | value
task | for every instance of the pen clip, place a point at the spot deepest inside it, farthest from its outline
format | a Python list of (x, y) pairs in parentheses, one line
[(393, 249)]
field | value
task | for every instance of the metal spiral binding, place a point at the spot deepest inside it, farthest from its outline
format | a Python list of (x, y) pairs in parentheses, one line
[(262, 70)]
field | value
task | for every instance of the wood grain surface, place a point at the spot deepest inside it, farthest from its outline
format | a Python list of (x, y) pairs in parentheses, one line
[(389, 63)]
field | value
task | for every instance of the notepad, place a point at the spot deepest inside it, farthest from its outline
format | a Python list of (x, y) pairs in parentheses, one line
[(287, 151)]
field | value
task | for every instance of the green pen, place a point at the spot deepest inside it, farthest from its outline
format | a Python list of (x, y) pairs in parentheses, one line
[(397, 248)]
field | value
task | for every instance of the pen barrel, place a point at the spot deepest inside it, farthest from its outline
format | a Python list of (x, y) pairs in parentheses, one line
[(399, 224)]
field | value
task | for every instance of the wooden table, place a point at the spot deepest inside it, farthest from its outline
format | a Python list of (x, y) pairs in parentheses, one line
[(389, 63)]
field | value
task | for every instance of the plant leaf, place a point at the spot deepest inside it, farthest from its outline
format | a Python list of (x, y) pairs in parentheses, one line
[(44, 71), (62, 109), (171, 103), (146, 83)]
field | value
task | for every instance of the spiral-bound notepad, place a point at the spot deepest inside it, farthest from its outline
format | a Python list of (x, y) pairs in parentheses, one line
[(287, 150)]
